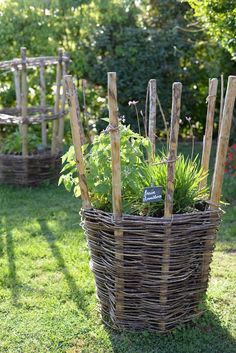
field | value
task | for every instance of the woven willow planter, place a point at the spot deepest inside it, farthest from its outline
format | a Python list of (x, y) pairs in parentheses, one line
[(26, 168), (152, 273), (29, 171), (158, 292)]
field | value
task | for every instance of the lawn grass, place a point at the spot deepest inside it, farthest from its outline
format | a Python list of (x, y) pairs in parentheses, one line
[(47, 293)]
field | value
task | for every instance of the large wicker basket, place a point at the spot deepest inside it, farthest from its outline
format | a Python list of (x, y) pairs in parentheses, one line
[(31, 170), (145, 245), (152, 273)]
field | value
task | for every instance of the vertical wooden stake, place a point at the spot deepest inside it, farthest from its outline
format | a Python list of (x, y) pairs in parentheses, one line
[(152, 116), (223, 142), (218, 175), (221, 101), (43, 103), (174, 131), (84, 86), (17, 88), (116, 194), (115, 146), (78, 112), (18, 94), (169, 199), (209, 129), (55, 124), (24, 99), (63, 101), (76, 133), (164, 121)]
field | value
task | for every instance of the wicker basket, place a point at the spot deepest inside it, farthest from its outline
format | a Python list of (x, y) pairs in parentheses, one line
[(152, 273), (29, 171), (25, 168), (189, 244)]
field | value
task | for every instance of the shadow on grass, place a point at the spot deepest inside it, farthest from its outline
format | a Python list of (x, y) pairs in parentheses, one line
[(76, 294), (12, 278), (1, 243), (204, 335)]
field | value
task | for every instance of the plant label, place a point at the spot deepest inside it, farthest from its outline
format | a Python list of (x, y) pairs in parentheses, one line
[(152, 194)]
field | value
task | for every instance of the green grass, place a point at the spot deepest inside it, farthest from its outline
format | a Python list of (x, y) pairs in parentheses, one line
[(47, 293)]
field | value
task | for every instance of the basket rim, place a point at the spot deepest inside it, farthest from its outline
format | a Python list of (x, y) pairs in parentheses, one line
[(150, 219), (42, 155)]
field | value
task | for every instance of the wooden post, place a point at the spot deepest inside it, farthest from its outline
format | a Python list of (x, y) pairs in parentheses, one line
[(207, 139), (174, 131), (221, 100), (63, 101), (164, 121), (115, 146), (55, 124), (43, 102), (17, 88), (18, 94), (218, 175), (24, 99), (223, 142), (116, 193), (84, 86), (81, 129), (76, 133), (169, 199), (152, 116)]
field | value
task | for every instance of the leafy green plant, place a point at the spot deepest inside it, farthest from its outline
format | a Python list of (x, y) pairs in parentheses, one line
[(187, 193), (98, 167), (12, 143), (136, 175)]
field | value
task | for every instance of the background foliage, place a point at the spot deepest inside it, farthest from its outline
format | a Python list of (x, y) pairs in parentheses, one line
[(137, 39), (218, 17)]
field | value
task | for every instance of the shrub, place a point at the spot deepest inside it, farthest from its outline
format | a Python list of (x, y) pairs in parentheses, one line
[(136, 175), (137, 39)]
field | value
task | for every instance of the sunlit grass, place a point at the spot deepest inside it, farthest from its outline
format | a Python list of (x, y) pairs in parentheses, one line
[(47, 292)]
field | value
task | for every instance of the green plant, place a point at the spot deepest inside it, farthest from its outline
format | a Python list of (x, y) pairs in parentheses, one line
[(187, 193), (98, 168), (136, 175), (12, 143)]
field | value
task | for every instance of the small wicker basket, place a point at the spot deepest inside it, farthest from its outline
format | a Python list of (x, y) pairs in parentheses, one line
[(31, 170), (25, 168)]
